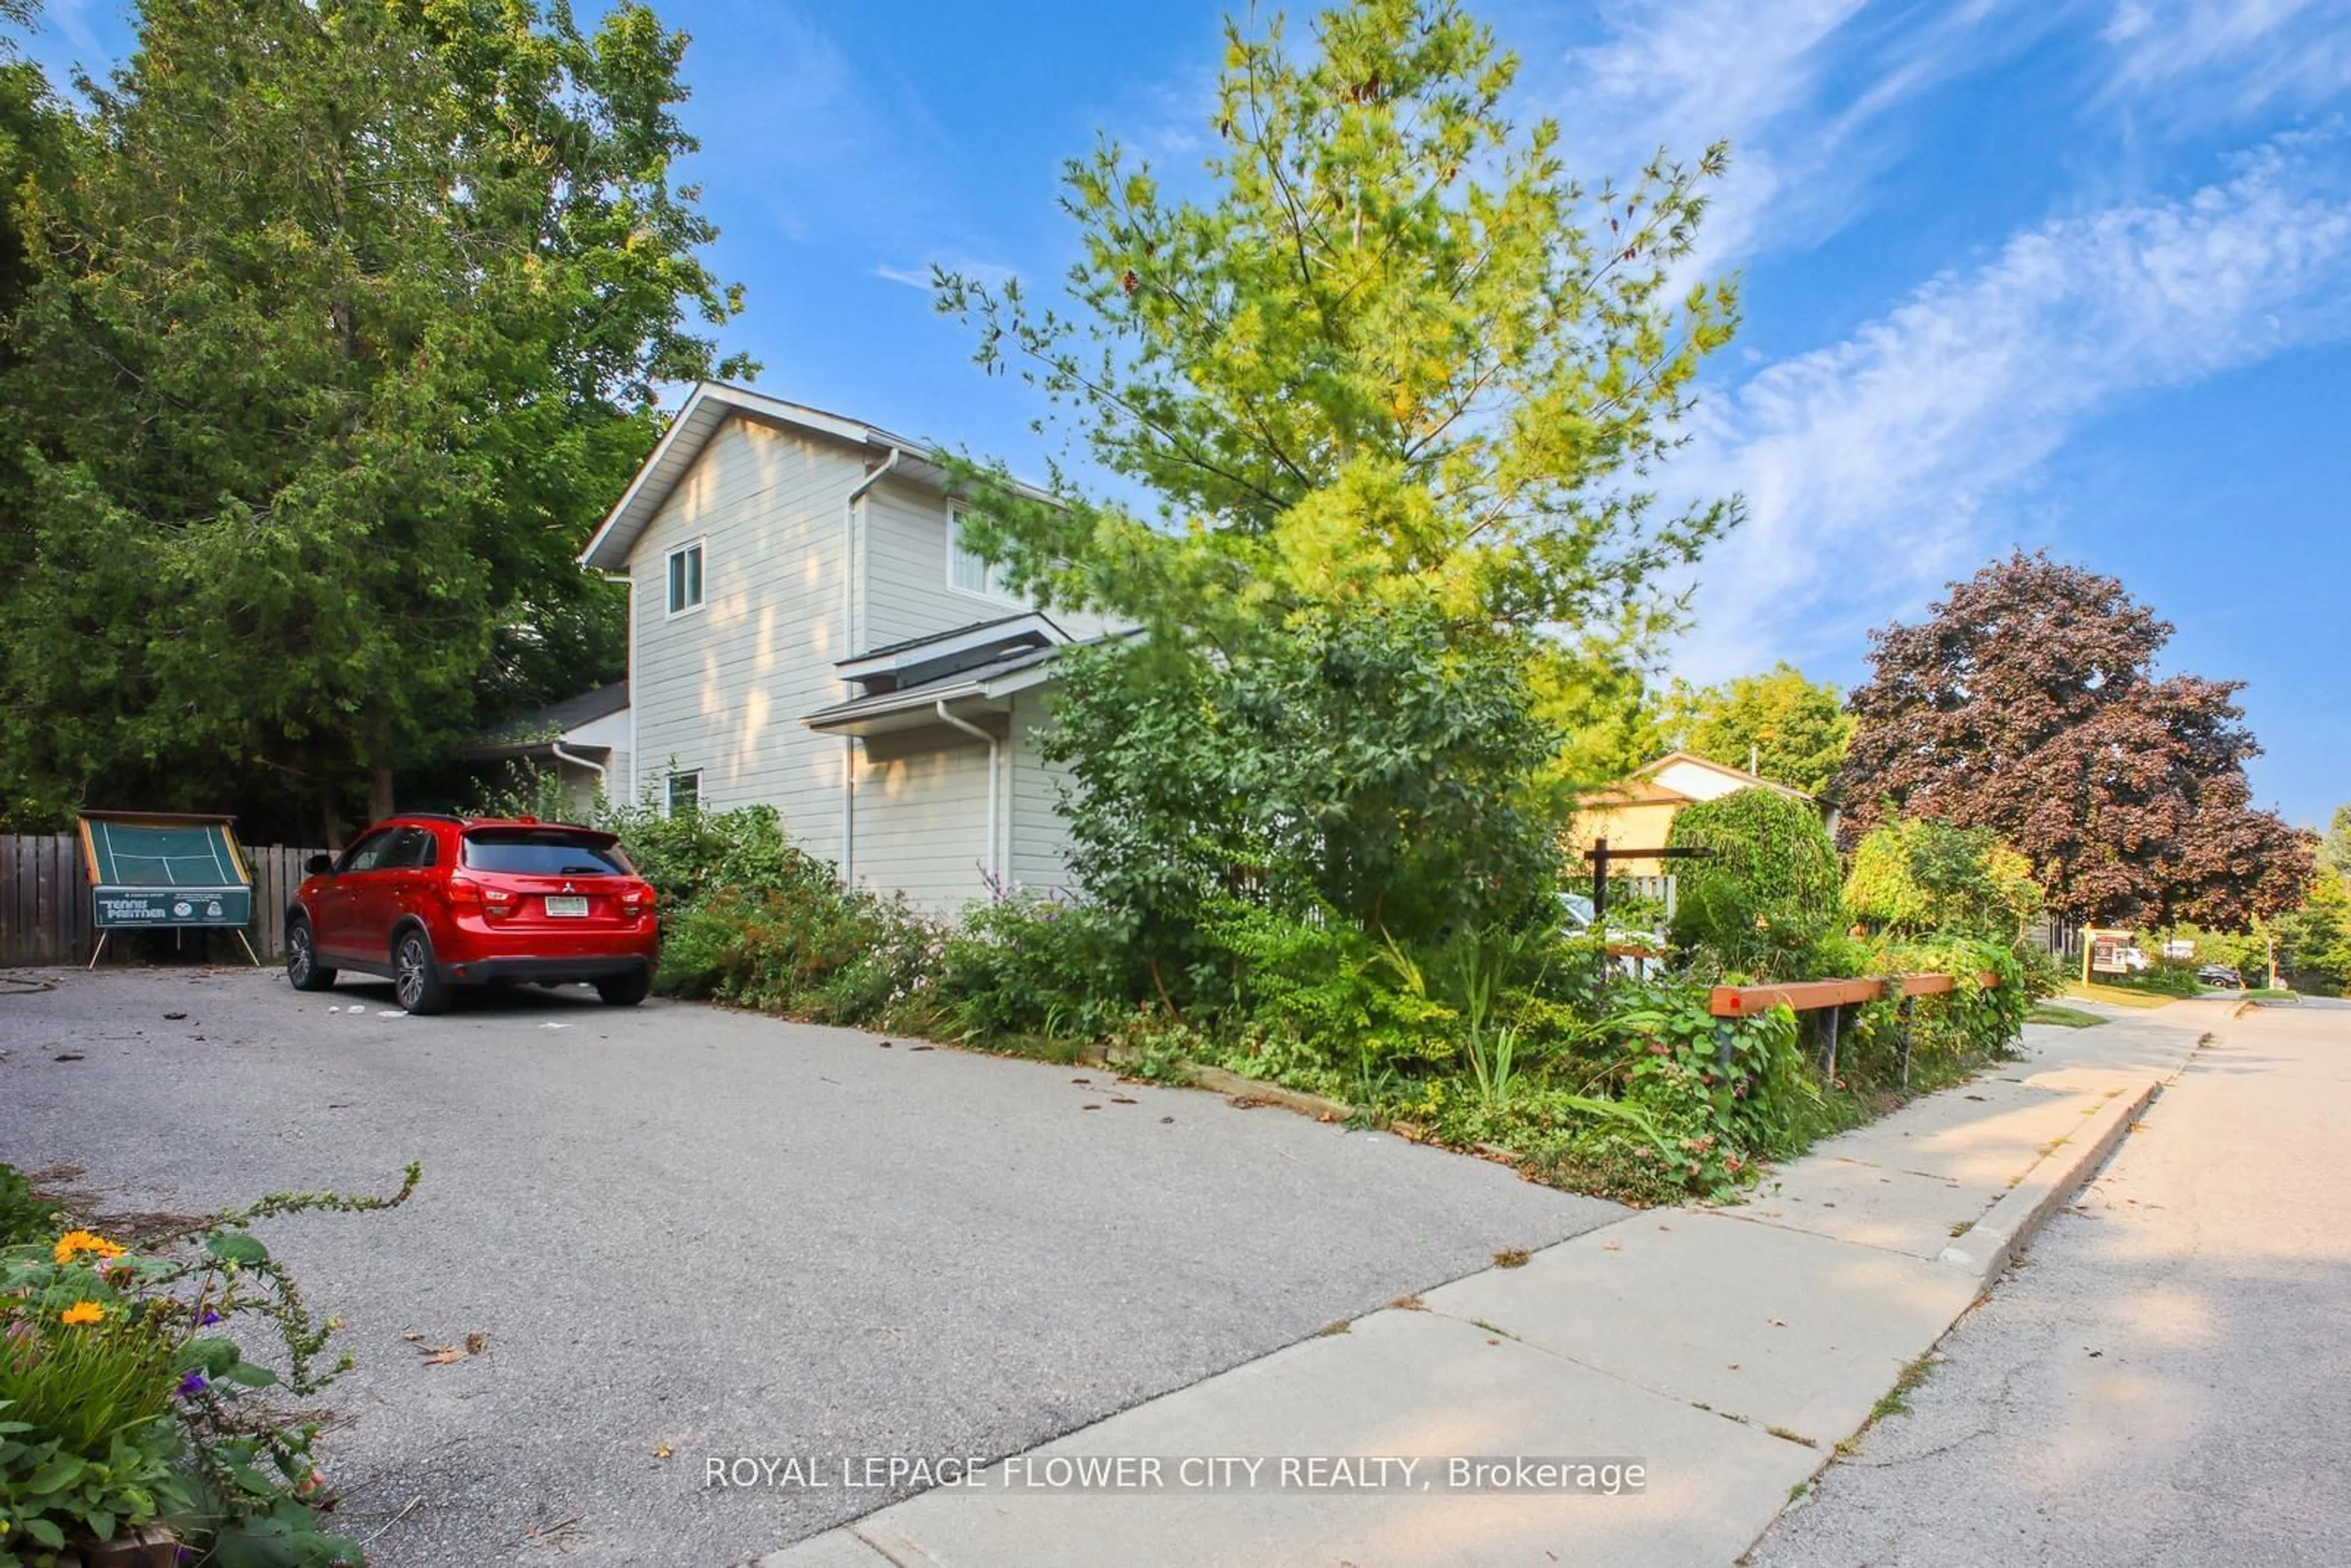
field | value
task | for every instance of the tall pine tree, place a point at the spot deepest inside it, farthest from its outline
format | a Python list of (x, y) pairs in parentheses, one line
[(348, 321)]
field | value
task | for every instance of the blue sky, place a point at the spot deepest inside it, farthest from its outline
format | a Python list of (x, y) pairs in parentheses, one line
[(2018, 272)]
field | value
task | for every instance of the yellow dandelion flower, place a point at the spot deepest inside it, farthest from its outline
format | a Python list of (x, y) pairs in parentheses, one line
[(75, 1242), (82, 1313)]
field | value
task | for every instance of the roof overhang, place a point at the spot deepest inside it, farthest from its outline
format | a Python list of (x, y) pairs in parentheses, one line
[(1034, 628), (918, 708), (705, 412)]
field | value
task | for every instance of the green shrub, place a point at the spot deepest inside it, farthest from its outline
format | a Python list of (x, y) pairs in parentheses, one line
[(695, 854), (1037, 967), (813, 951), (1915, 876), (25, 1215), (124, 1402), (1325, 985), (1768, 892), (2166, 978)]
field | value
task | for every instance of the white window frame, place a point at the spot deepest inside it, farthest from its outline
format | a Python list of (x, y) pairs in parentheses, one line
[(694, 548), (991, 573), (669, 789)]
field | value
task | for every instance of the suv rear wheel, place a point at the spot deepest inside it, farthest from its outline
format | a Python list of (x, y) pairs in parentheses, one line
[(624, 990), (416, 980), (302, 969)]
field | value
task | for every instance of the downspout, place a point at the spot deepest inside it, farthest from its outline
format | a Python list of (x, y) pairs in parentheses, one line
[(849, 651), (994, 882), (596, 768), (630, 576)]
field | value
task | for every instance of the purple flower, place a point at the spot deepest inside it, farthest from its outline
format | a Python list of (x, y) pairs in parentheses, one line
[(194, 1384), (208, 1319)]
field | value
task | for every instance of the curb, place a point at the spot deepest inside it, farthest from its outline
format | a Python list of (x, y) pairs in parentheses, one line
[(1217, 1080), (1993, 1240)]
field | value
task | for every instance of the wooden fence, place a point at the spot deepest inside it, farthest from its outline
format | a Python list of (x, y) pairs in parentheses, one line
[(45, 914)]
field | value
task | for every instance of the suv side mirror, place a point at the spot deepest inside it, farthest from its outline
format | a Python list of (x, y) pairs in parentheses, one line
[(318, 865)]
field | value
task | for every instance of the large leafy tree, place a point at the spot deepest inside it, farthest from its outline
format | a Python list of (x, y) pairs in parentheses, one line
[(2028, 703), (1392, 383), (350, 316), (1791, 730), (2335, 844)]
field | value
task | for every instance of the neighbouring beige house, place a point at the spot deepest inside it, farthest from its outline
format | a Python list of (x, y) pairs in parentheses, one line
[(1637, 811), (806, 632)]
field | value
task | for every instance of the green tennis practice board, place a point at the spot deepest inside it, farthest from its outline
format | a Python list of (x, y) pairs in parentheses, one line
[(149, 869)]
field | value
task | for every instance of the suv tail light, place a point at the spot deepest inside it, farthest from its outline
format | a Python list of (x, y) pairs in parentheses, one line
[(466, 893), (637, 898)]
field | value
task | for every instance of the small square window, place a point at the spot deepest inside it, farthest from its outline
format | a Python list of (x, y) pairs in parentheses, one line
[(685, 578), (685, 797)]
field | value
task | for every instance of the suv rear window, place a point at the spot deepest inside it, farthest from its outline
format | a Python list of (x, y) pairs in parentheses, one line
[(544, 851)]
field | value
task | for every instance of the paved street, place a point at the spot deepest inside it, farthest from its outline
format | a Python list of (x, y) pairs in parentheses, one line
[(714, 1233), (2168, 1378)]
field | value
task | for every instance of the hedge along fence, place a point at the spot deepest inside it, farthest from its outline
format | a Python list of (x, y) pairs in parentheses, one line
[(1728, 1003)]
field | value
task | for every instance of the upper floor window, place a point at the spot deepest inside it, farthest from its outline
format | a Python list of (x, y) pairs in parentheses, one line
[(685, 578), (966, 569)]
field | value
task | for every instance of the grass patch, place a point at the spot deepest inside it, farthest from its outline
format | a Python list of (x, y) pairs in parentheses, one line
[(2068, 1018), (1897, 1399), (2120, 996), (2272, 994), (1510, 1258), (1787, 1437)]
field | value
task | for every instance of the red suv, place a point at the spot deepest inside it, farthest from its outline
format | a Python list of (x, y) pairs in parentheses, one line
[(433, 902)]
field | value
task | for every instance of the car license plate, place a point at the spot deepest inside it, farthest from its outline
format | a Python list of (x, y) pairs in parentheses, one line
[(565, 907)]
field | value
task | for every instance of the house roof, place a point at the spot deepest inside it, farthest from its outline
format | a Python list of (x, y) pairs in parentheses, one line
[(1026, 629), (1636, 790), (552, 722), (1745, 778), (1641, 785), (705, 412)]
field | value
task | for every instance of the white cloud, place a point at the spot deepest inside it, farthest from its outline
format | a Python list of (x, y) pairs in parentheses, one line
[(1875, 468), (1791, 84), (2199, 57)]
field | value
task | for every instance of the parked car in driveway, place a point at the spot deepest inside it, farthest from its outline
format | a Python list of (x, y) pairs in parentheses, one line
[(431, 902), (2221, 975)]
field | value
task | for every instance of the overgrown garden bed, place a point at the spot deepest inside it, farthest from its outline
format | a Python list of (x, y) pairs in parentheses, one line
[(1525, 1043), (155, 1381)]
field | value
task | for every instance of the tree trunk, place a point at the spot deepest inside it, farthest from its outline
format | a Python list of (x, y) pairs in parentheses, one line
[(379, 794)]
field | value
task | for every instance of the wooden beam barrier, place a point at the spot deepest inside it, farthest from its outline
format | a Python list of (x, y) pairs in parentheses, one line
[(1810, 996)]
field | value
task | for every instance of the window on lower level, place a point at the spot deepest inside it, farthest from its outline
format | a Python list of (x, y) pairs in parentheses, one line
[(685, 797)]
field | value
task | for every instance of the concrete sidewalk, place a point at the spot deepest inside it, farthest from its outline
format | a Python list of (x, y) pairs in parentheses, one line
[(1728, 1350)]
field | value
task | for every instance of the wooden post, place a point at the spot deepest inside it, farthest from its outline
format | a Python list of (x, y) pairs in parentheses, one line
[(1600, 886), (1903, 1012), (1828, 1058)]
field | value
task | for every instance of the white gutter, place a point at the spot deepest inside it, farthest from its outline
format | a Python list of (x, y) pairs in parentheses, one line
[(995, 882), (595, 767), (849, 650)]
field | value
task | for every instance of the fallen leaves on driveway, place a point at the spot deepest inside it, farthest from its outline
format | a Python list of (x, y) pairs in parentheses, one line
[(443, 1354)]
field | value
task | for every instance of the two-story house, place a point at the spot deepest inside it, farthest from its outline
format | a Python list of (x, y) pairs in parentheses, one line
[(806, 632)]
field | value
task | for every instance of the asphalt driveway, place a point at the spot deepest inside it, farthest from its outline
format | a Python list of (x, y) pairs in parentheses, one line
[(688, 1232)]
